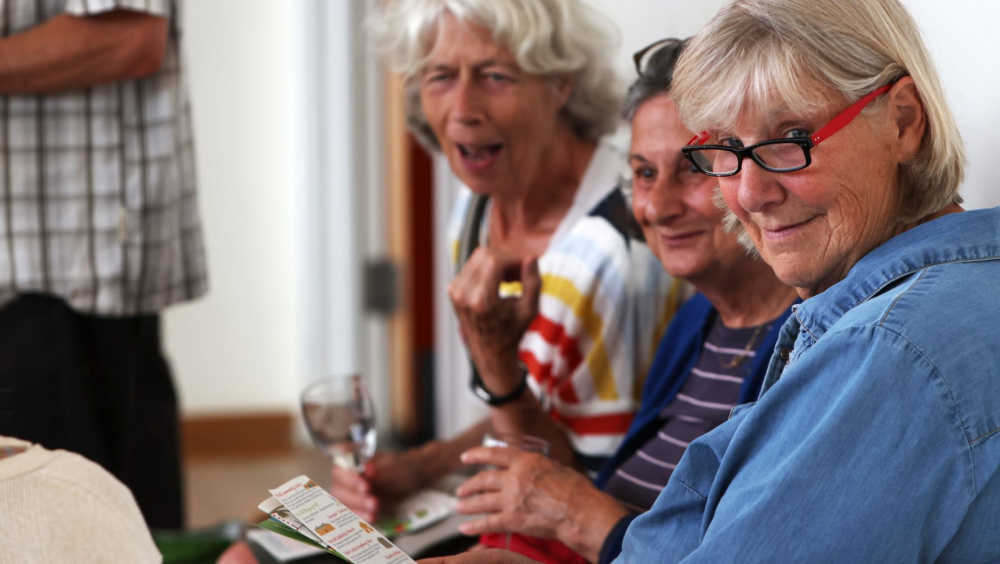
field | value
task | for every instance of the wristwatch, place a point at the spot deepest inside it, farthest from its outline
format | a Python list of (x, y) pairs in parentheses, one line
[(494, 400)]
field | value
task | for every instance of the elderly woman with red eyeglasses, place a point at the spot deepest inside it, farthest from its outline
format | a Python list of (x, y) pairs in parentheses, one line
[(876, 437)]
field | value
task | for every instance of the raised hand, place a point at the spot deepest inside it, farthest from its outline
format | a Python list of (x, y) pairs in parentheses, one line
[(493, 326)]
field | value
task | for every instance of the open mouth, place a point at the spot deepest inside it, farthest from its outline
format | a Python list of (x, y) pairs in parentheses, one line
[(479, 153)]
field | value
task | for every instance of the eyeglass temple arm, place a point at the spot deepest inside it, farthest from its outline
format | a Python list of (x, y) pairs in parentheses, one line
[(835, 125), (841, 121), (698, 139)]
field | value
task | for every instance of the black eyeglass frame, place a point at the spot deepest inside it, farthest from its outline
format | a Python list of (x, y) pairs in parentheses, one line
[(805, 143)]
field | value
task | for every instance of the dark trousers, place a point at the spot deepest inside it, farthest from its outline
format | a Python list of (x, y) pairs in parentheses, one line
[(98, 386)]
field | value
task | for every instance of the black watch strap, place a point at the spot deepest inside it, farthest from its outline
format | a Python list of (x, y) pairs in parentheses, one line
[(494, 400)]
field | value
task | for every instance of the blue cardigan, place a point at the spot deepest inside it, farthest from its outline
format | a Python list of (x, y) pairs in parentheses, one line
[(677, 354)]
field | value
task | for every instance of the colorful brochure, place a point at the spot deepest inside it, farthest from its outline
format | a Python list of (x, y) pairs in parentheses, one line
[(302, 510)]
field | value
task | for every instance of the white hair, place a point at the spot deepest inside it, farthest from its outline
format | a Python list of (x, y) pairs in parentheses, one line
[(767, 53), (546, 37)]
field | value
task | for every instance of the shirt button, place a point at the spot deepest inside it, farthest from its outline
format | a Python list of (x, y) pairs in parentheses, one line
[(785, 354)]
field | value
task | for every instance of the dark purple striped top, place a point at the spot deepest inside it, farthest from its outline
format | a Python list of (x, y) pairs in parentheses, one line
[(703, 403)]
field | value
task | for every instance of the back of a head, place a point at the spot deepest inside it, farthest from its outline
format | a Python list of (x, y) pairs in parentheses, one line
[(771, 53), (61, 507), (546, 37)]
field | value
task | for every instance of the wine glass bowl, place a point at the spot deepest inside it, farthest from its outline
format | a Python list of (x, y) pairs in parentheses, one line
[(518, 441), (340, 418)]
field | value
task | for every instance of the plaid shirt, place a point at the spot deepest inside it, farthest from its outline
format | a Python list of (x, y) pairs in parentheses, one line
[(97, 186)]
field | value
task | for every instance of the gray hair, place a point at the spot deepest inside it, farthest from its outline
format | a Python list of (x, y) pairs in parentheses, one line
[(546, 37), (655, 80), (765, 53)]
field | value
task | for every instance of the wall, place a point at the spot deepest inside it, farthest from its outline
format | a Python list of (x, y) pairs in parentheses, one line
[(276, 131), (956, 35), (236, 349)]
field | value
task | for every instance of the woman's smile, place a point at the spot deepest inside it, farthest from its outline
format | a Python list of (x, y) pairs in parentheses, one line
[(785, 232), (682, 238)]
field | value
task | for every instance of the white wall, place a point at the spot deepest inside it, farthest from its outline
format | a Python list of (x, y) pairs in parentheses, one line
[(958, 35), (275, 143), (237, 349), (641, 22)]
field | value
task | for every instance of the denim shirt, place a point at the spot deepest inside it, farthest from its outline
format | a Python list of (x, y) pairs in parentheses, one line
[(876, 437)]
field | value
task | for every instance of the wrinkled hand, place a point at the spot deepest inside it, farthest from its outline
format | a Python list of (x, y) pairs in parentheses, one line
[(491, 556), (492, 326), (388, 477), (533, 495)]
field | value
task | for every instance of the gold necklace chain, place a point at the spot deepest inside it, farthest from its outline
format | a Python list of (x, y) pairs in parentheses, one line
[(738, 359)]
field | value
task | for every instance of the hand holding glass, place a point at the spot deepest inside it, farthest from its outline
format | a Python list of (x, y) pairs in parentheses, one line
[(527, 443), (339, 415)]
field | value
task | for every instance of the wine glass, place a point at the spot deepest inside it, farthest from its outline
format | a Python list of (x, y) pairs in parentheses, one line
[(339, 415)]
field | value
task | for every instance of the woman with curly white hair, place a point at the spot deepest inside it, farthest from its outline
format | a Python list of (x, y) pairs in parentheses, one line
[(517, 94)]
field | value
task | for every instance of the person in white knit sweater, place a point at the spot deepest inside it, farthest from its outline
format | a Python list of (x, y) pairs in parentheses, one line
[(60, 507)]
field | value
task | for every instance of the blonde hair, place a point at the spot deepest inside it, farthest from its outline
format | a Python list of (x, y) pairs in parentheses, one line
[(546, 37), (766, 53)]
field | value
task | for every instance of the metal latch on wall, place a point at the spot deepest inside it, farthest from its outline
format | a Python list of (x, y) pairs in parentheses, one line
[(381, 286)]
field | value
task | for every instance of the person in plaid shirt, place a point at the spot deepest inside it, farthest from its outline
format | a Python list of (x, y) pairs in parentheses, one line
[(99, 232)]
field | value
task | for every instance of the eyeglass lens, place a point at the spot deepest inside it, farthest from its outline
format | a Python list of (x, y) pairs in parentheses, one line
[(706, 160), (776, 157), (781, 156)]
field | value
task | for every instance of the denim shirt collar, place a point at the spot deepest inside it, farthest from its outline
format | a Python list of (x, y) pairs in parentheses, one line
[(958, 237)]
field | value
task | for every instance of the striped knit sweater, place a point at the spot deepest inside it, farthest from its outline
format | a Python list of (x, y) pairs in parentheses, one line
[(604, 305)]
